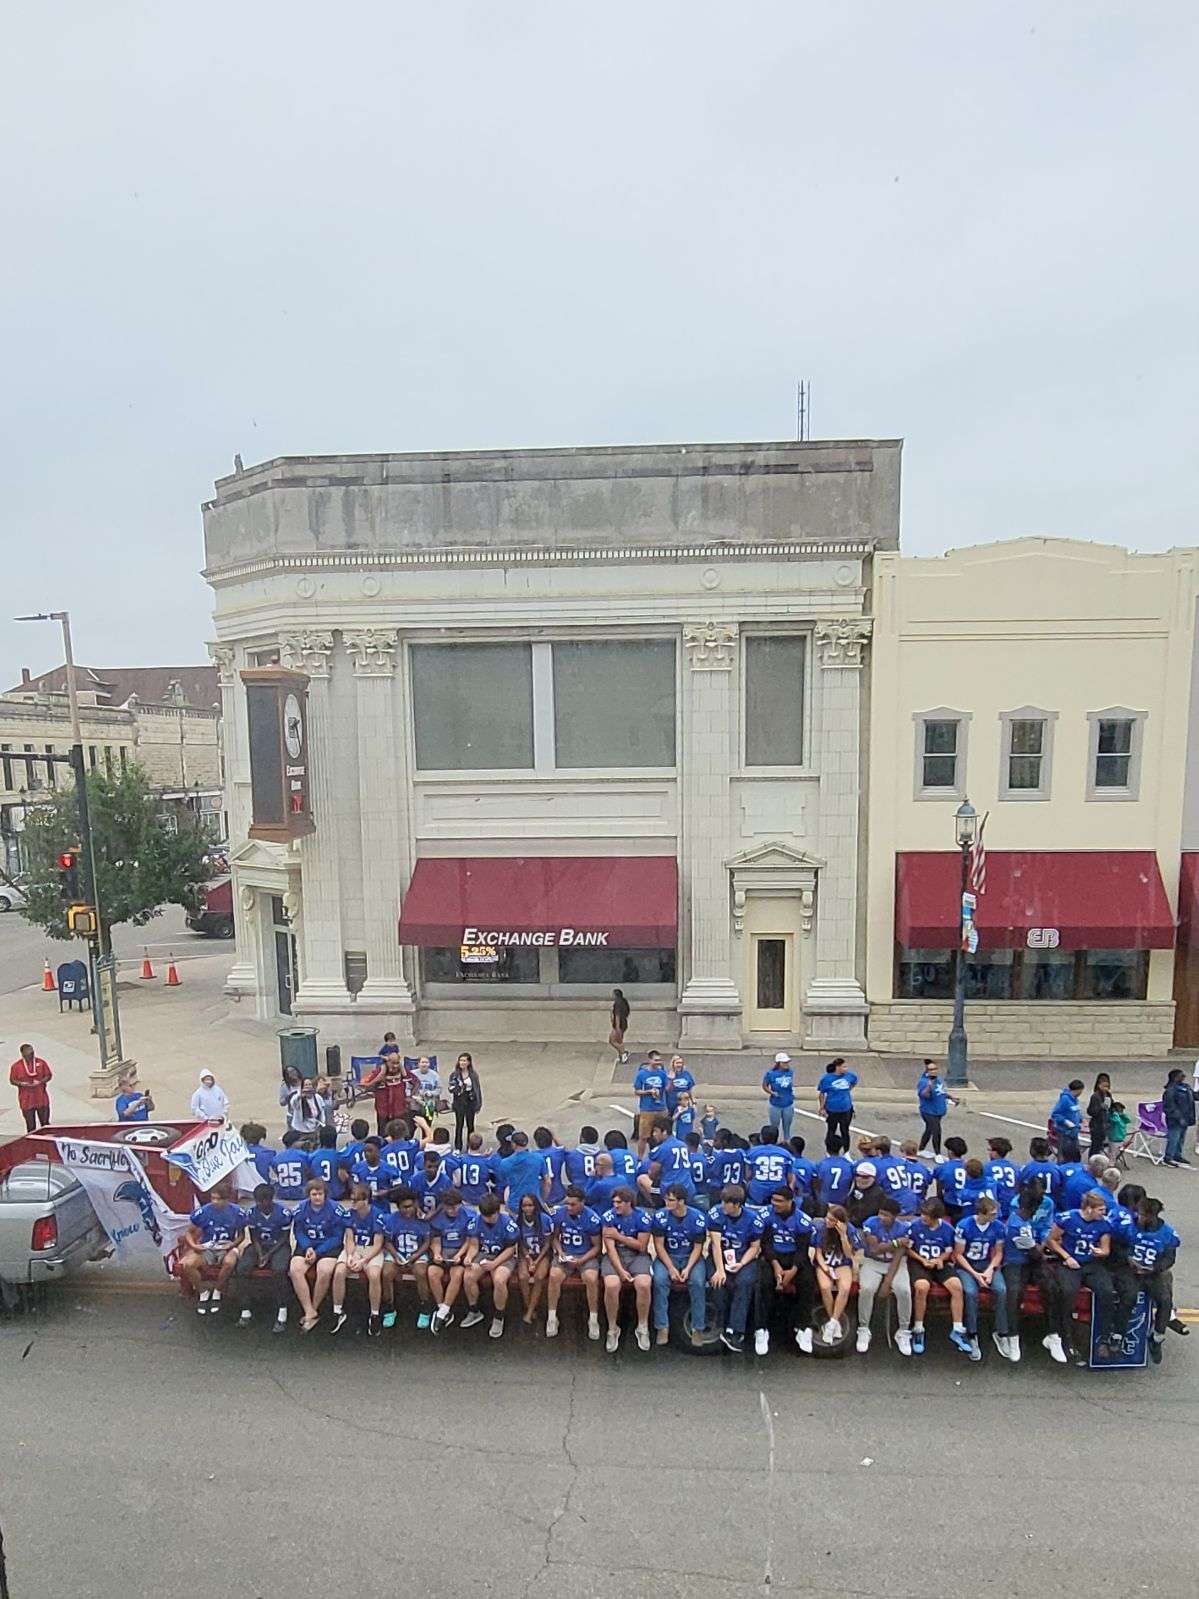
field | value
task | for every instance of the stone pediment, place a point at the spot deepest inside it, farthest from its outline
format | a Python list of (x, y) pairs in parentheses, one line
[(774, 869), (773, 857), (259, 852)]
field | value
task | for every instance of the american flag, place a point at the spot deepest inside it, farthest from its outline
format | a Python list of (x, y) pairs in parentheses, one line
[(978, 860)]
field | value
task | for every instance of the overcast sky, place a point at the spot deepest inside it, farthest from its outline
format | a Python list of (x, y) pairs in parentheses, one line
[(292, 228)]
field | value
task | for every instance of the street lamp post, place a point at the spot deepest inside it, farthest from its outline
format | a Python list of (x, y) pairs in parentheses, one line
[(965, 830)]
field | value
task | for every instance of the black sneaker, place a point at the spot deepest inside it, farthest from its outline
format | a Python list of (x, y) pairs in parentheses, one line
[(733, 1341), (1169, 1163), (339, 1320), (374, 1327), (1155, 1351), (1182, 1161), (1180, 1327), (279, 1327)]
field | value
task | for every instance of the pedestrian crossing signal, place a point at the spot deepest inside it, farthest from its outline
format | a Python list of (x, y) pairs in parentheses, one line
[(67, 862), (81, 920)]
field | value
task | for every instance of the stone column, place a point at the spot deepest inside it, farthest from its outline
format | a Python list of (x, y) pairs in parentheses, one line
[(835, 1005), (242, 977), (383, 818), (710, 1007), (322, 985)]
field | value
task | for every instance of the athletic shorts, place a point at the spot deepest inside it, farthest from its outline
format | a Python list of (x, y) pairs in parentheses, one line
[(276, 1259), (341, 1261), (918, 1272), (572, 1268), (214, 1254), (635, 1265)]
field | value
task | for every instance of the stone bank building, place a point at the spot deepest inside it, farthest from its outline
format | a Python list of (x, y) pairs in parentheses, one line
[(577, 719)]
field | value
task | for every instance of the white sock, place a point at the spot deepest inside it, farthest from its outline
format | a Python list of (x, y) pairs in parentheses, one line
[(337, 1309), (959, 1326), (917, 1326), (205, 1295), (281, 1316), (216, 1294)]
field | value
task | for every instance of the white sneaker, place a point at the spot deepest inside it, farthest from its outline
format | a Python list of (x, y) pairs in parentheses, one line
[(593, 1328), (496, 1330), (903, 1341), (831, 1329), (551, 1325), (1001, 1344), (863, 1340), (803, 1337), (761, 1342), (1013, 1349), (612, 1342), (643, 1338), (1054, 1345), (472, 1318)]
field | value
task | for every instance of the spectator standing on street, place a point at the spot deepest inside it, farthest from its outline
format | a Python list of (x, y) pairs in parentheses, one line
[(1178, 1102), (932, 1100), (210, 1102), (619, 1025), (466, 1097), (836, 1104), (293, 1081), (29, 1075), (1066, 1117), (306, 1111), (133, 1104), (650, 1087), (778, 1083), (1099, 1114)]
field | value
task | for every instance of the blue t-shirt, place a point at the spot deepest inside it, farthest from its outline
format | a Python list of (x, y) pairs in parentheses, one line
[(674, 1160), (379, 1179), (951, 1182), (476, 1174), (1149, 1244), (496, 1235), (428, 1190), (325, 1164), (1079, 1236), (679, 1233), (929, 1239), (518, 1174), (601, 1189), (978, 1241), (1046, 1171), (727, 1167), (736, 1233), (580, 1164), (1079, 1182), (684, 1120), (322, 1230), (709, 1125), (455, 1230), (365, 1227), (972, 1189), (681, 1083), (1066, 1115), (289, 1173), (553, 1162), (880, 1235), (218, 1224), (836, 1177), (650, 1085), (402, 1155), (576, 1234), (406, 1234), (769, 1168), (804, 1172), (1004, 1179), (931, 1098), (124, 1101), (837, 1088), (831, 1247), (268, 1227), (788, 1234), (780, 1080), (1022, 1235)]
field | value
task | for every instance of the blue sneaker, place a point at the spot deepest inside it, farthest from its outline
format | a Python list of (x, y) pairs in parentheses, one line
[(423, 1321), (389, 1318), (959, 1340), (918, 1341)]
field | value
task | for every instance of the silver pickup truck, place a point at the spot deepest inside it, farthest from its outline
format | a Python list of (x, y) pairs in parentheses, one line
[(47, 1229)]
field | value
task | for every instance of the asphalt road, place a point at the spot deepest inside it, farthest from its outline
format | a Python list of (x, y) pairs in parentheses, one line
[(23, 947)]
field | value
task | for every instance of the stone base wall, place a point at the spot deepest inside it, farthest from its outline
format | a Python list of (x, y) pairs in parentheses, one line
[(544, 1021), (1085, 1031)]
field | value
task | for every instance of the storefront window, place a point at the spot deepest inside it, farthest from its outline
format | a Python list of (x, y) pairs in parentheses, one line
[(925, 974), (989, 974), (614, 703), (1114, 974), (1047, 974), (473, 707), (619, 966), (460, 965), (1026, 974)]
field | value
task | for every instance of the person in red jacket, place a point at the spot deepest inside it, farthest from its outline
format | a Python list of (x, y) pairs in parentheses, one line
[(29, 1076)]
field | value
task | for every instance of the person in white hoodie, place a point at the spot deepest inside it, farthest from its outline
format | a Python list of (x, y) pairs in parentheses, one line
[(210, 1102)]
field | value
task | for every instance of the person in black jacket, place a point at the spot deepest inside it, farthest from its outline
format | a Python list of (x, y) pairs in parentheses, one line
[(866, 1195), (1178, 1103), (1099, 1114), (466, 1097)]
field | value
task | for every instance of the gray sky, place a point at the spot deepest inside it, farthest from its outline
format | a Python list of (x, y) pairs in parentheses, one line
[(294, 228)]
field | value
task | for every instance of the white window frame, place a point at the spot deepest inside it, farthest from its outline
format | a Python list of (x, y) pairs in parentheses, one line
[(808, 768), (1026, 713), (1132, 789), (941, 713)]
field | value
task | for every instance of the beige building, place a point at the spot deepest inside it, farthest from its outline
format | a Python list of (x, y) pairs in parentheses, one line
[(1049, 681)]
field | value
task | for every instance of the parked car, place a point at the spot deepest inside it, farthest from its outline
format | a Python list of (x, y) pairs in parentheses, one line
[(48, 1228), (215, 915), (11, 897)]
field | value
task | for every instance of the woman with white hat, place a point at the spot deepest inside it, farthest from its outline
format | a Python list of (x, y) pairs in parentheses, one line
[(779, 1084), (210, 1102)]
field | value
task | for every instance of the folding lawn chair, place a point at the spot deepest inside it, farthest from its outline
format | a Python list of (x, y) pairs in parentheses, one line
[(1151, 1124)]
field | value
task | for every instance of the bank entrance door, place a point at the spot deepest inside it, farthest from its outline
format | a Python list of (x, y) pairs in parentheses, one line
[(285, 956)]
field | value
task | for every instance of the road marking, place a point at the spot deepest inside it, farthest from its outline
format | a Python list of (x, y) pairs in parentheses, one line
[(768, 1568), (1039, 1127), (622, 1111)]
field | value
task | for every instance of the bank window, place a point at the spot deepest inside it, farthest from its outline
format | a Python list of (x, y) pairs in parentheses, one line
[(473, 707), (1114, 974), (940, 754), (480, 963), (989, 974), (614, 703), (924, 974), (1115, 754), (774, 700), (1045, 975), (619, 966)]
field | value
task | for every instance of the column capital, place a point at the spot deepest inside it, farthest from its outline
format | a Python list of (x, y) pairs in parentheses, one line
[(372, 650), (712, 646), (842, 641), (308, 651), (224, 658)]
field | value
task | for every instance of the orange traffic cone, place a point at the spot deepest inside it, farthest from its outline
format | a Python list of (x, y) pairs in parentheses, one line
[(172, 974), (147, 969), (48, 985)]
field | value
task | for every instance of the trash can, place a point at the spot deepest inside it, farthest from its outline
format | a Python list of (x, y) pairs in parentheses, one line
[(297, 1047)]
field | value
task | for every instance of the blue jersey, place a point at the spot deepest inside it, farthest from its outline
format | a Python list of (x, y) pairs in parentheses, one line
[(576, 1234), (978, 1241), (735, 1233), (496, 1235), (788, 1234), (580, 1164), (379, 1179), (533, 1234), (518, 1174), (727, 1167), (631, 1226), (553, 1162), (1079, 1182), (951, 1181), (931, 1097), (289, 1173), (1022, 1236), (674, 1160), (1124, 1227), (698, 1163), (1004, 1180), (837, 1089), (268, 1227), (681, 1083), (917, 1176), (1081, 1237), (128, 1108), (684, 1120), (927, 1240), (1149, 1244), (780, 1082), (428, 1190), (972, 1189), (601, 1189), (650, 1086), (263, 1159), (769, 1168), (1046, 1171), (325, 1164), (625, 1165), (890, 1172), (364, 1228), (476, 1174), (881, 1236), (407, 1235), (833, 1250), (679, 1234), (218, 1224), (803, 1171), (836, 1178), (454, 1230), (1066, 1115), (321, 1230), (402, 1155)]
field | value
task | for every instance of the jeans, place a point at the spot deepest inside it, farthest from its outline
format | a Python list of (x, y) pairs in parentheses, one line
[(838, 1130), (870, 1276), (697, 1284), (932, 1132), (1174, 1141), (730, 1307), (971, 1288), (781, 1116), (1067, 1145)]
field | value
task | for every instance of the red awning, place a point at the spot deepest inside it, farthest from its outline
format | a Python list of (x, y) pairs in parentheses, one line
[(568, 901), (1188, 899), (1095, 899)]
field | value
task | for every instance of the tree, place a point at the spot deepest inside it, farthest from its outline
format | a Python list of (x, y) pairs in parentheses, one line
[(140, 866)]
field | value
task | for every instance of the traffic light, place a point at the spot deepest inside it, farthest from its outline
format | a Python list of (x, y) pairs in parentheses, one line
[(69, 887)]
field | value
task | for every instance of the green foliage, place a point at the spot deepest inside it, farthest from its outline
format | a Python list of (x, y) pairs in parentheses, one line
[(140, 866)]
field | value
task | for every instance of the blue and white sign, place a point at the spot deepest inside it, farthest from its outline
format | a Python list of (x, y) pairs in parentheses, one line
[(1134, 1350)]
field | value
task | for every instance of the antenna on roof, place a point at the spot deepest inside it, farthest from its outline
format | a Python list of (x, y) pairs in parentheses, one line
[(803, 410)]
